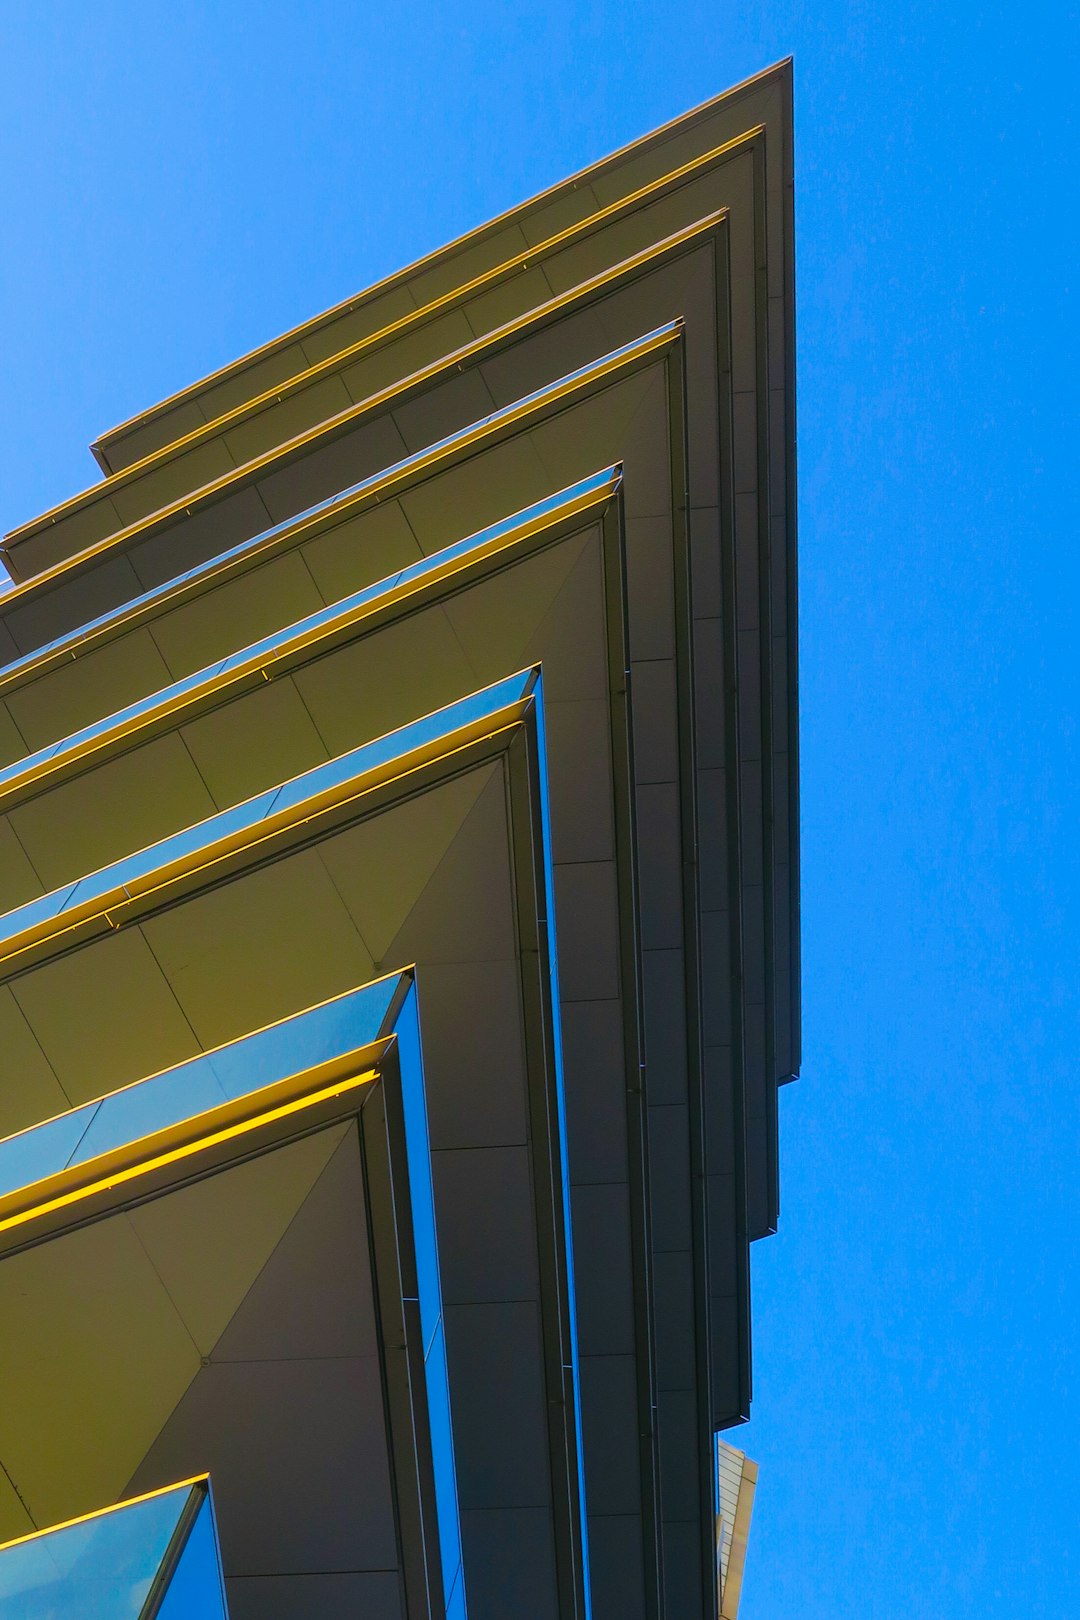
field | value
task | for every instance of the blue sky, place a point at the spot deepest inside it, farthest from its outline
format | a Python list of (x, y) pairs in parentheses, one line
[(178, 184)]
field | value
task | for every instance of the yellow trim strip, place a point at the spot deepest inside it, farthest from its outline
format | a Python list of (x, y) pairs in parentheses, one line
[(265, 665), (240, 475), (112, 909), (100, 1513), (299, 381), (778, 71), (186, 1150)]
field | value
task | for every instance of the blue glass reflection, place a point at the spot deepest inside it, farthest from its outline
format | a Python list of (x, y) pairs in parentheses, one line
[(560, 1101), (43, 1149), (437, 1380), (334, 773), (422, 1193), (97, 1569), (197, 1590), (144, 604), (425, 1243), (316, 1036)]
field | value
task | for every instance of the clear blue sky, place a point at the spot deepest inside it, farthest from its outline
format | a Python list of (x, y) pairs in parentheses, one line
[(179, 183)]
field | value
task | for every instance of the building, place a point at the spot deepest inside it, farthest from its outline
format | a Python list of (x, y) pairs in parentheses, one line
[(736, 1477), (399, 949)]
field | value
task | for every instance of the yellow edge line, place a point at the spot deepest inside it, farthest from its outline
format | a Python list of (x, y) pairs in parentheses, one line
[(100, 1513), (520, 211), (158, 1161), (200, 497), (217, 425), (104, 742)]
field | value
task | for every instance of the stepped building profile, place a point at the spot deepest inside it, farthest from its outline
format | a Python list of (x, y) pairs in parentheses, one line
[(399, 950)]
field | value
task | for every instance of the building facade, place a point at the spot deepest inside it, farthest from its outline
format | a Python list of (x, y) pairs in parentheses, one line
[(399, 949)]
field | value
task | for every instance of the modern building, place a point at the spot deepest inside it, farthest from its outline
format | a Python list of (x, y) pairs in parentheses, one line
[(736, 1478), (399, 935)]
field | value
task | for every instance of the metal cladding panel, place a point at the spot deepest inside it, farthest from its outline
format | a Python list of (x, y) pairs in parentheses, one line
[(242, 959), (320, 1319), (688, 278), (765, 100), (566, 441), (490, 625)]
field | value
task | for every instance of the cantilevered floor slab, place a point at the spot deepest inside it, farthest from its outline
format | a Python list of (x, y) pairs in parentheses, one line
[(508, 243), (549, 586), (565, 452), (241, 500), (675, 1118), (232, 1266), (424, 847)]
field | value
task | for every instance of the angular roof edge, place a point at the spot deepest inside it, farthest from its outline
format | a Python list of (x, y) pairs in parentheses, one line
[(780, 72)]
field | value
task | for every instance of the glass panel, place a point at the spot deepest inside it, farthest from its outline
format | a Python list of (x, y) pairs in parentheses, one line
[(247, 815), (436, 1373), (315, 1036), (299, 1043), (96, 1569), (196, 1590), (421, 1191), (442, 1454), (43, 1149), (455, 1606), (36, 911), (147, 1107)]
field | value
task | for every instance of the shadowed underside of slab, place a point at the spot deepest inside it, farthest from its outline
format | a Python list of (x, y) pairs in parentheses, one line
[(443, 647)]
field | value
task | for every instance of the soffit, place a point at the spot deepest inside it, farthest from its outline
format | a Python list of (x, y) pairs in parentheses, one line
[(763, 100), (551, 606), (240, 954), (727, 180), (624, 309)]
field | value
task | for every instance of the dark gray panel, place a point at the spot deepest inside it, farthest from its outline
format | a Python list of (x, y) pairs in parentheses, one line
[(617, 1558), (492, 1350), (586, 904), (313, 1298), (510, 1550), (596, 1108), (660, 841), (374, 1596), (487, 1231), (486, 1105), (664, 991), (669, 1155), (683, 1570), (673, 1291), (678, 1483), (258, 1426), (609, 1400), (603, 1269)]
